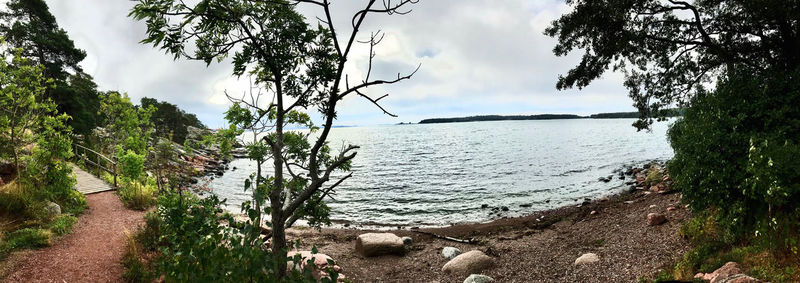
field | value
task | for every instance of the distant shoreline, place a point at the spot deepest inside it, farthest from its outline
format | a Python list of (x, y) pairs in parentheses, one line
[(482, 118)]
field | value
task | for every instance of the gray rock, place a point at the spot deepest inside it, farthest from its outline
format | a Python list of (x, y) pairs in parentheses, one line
[(478, 278), (450, 252), (467, 263), (407, 240), (53, 208)]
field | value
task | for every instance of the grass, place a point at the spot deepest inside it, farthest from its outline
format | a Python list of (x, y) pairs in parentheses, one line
[(711, 252), (29, 238), (136, 270), (136, 195), (62, 224)]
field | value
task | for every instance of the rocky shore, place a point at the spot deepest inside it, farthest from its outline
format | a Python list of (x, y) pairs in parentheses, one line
[(620, 238)]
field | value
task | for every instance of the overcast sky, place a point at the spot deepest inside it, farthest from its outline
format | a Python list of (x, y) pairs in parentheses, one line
[(478, 57)]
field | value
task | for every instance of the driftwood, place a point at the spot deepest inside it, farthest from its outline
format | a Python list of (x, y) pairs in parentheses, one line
[(467, 241)]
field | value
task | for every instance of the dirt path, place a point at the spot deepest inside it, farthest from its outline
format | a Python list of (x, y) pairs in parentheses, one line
[(91, 253)]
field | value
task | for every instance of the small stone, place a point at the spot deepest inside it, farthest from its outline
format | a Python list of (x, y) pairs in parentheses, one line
[(652, 206), (407, 240), (587, 259), (654, 219), (450, 252), (468, 263), (593, 212), (53, 208), (629, 202), (478, 278), (671, 208)]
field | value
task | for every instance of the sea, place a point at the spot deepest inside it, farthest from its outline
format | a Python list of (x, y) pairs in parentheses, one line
[(433, 175)]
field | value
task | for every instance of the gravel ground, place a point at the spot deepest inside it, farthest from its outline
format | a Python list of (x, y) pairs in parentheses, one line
[(527, 250), (91, 253)]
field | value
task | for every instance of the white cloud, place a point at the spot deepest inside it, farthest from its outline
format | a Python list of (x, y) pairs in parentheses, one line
[(478, 57)]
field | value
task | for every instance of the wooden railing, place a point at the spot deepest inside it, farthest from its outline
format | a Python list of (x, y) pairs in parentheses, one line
[(100, 161)]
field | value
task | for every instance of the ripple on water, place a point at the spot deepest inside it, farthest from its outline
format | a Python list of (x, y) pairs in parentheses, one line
[(439, 174)]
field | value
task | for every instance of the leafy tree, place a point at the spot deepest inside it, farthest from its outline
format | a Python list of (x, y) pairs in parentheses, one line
[(666, 49), (29, 25), (128, 126), (301, 66), (22, 88), (30, 120), (171, 121), (735, 151)]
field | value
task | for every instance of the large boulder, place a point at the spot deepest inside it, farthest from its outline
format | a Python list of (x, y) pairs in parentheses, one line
[(450, 252), (320, 262), (478, 278), (375, 244), (587, 259), (654, 219), (468, 263)]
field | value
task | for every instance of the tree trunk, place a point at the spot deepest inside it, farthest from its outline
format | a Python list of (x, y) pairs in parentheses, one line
[(279, 244)]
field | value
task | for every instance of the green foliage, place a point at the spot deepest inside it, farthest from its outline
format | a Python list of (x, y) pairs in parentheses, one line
[(136, 195), (129, 126), (29, 26), (666, 49), (733, 152), (28, 238), (22, 103), (654, 177), (62, 224), (171, 121), (131, 164)]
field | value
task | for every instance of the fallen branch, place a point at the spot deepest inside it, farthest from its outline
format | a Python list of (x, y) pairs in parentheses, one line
[(467, 241)]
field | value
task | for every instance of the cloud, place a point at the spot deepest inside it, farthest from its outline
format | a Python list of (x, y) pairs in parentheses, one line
[(478, 57)]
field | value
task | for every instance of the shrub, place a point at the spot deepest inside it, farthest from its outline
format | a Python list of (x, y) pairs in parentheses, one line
[(63, 224), (199, 249), (136, 195), (29, 238), (149, 236), (735, 151), (131, 163)]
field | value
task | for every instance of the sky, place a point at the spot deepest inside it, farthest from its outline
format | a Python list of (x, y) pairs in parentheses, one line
[(477, 57)]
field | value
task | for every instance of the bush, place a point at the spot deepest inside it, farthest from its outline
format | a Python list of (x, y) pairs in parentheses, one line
[(29, 238), (131, 163), (199, 249), (735, 151), (62, 225), (136, 195)]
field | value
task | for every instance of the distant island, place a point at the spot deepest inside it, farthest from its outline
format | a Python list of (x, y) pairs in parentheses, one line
[(480, 118)]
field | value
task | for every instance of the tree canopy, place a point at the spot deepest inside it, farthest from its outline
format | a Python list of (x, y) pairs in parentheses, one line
[(670, 49), (168, 119)]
